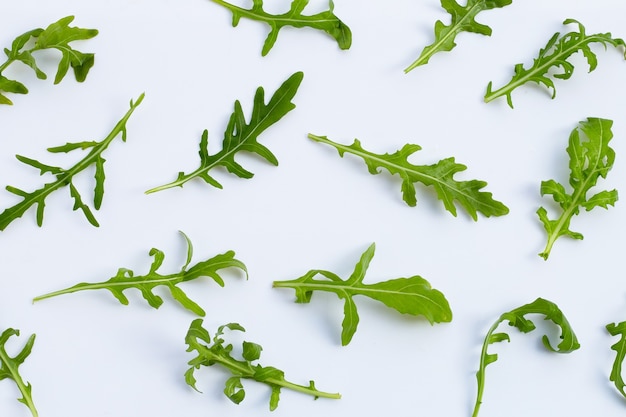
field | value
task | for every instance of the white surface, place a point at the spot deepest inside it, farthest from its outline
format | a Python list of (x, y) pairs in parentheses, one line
[(95, 357)]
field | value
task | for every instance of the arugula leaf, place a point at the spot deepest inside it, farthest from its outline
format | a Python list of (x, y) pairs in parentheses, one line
[(590, 158), (64, 177), (325, 21), (125, 279), (240, 136), (552, 56), (620, 353), (462, 20), (439, 175), (9, 367), (516, 318), (412, 295), (198, 339), (57, 36)]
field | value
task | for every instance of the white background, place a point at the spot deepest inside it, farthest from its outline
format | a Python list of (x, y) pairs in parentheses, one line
[(96, 357)]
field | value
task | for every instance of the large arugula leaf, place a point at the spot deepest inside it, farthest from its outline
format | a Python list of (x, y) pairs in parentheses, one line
[(9, 367), (553, 56), (64, 177), (412, 295), (57, 36), (620, 353), (242, 136), (198, 340), (467, 194), (590, 158), (517, 318), (462, 20), (325, 21), (125, 279)]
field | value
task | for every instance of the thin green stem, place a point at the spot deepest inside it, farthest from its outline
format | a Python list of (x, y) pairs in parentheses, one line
[(480, 375)]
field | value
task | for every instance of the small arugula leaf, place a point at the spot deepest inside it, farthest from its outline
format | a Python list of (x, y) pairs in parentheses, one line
[(325, 21), (125, 279), (412, 295), (554, 55), (439, 175), (242, 136), (57, 36), (219, 353), (517, 318), (590, 158), (462, 20), (620, 353), (9, 367), (64, 177)]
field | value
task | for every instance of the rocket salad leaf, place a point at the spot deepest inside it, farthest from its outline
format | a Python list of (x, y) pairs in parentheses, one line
[(9, 367), (412, 295), (620, 353)]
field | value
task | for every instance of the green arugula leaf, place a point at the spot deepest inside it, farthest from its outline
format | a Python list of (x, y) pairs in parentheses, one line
[(462, 20), (9, 367), (57, 36), (325, 21), (412, 295), (240, 136), (620, 353), (125, 279), (198, 340), (439, 175), (64, 177), (554, 55), (590, 158), (517, 318)]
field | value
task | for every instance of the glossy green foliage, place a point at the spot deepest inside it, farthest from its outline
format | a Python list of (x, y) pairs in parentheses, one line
[(517, 318), (57, 36), (241, 136), (620, 354), (590, 158), (462, 20), (64, 177), (216, 351), (553, 56), (325, 21), (440, 176), (412, 295), (9, 367), (125, 279)]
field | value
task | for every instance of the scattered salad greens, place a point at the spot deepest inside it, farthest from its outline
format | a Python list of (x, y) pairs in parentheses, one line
[(125, 279), (9, 367), (64, 177), (516, 318), (590, 158), (439, 175), (198, 339), (412, 295), (554, 55), (56, 36), (463, 20), (240, 136), (325, 21), (620, 353)]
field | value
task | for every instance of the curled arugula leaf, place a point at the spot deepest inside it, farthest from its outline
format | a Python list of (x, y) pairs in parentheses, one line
[(56, 36), (64, 177), (554, 55), (439, 175), (9, 367), (462, 21), (590, 158), (620, 353), (240, 136), (516, 318), (198, 339), (125, 279), (325, 21), (412, 295)]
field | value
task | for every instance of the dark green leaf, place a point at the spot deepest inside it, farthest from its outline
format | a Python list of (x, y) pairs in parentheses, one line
[(620, 353)]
